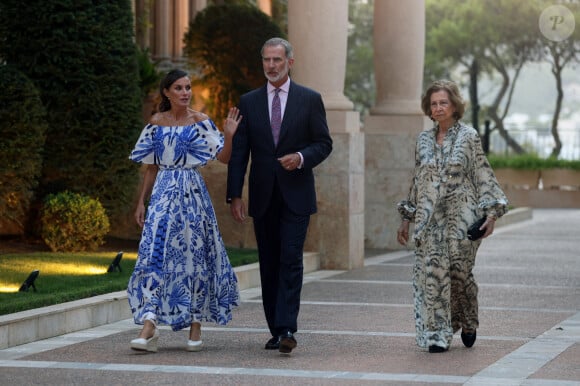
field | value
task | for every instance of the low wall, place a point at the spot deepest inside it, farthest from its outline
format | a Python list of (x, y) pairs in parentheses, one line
[(549, 188)]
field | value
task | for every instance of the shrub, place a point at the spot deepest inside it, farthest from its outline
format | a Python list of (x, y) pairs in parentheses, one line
[(23, 120), (81, 56), (73, 222), (149, 76), (223, 44)]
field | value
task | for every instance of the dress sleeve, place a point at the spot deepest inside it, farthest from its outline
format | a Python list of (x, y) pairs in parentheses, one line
[(491, 198), (144, 150), (212, 142), (408, 207)]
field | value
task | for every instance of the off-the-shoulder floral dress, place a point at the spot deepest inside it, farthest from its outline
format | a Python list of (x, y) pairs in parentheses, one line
[(453, 185), (182, 273)]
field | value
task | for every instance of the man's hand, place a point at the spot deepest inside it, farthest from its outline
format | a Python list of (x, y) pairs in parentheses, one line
[(290, 161), (238, 209)]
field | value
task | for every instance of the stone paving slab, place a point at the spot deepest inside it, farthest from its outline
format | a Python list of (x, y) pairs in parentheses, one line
[(357, 328), (530, 297), (565, 367), (162, 376)]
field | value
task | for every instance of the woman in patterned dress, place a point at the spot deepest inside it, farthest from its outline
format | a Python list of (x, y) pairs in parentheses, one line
[(453, 186), (183, 275)]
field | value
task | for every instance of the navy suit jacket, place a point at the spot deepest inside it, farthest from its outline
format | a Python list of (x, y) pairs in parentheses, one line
[(304, 129)]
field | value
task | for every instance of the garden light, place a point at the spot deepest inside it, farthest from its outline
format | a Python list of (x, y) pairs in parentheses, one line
[(29, 282), (115, 264)]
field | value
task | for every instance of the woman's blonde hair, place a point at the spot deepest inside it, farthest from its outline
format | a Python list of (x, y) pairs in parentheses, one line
[(454, 97)]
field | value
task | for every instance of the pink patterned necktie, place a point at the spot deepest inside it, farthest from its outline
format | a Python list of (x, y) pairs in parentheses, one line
[(276, 119)]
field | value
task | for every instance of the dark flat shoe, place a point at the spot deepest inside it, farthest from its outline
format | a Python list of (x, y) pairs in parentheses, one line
[(273, 343), (436, 349), (468, 339), (287, 343)]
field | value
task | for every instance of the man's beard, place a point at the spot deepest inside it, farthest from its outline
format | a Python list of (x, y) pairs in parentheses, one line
[(277, 78)]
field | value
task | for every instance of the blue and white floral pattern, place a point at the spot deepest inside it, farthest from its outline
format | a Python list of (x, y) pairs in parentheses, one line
[(182, 273)]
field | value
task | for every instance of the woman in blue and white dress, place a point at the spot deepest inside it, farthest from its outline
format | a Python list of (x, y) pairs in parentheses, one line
[(183, 275)]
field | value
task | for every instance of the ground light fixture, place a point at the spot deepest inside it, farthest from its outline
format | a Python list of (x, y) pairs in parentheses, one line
[(115, 264), (29, 282)]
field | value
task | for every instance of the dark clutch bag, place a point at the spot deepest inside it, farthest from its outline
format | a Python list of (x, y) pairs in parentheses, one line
[(473, 232)]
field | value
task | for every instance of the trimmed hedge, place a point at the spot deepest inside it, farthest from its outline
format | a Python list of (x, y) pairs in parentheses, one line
[(23, 120), (81, 56)]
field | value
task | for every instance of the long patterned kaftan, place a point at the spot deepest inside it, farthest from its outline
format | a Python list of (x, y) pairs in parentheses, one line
[(182, 273), (453, 185)]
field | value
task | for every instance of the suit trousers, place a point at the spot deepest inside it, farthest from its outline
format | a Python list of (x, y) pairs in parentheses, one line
[(280, 235)]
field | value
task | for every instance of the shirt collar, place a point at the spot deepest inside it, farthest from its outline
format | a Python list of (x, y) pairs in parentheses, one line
[(285, 87)]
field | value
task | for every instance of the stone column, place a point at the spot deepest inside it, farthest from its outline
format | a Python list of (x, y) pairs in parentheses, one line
[(265, 6), (318, 33), (399, 45), (180, 25), (396, 119), (196, 6), (162, 30)]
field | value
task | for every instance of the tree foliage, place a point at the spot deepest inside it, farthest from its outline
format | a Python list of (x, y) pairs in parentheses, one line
[(223, 44), (280, 14), (485, 32), (560, 54), (149, 76), (498, 36), (23, 119), (81, 56), (359, 85)]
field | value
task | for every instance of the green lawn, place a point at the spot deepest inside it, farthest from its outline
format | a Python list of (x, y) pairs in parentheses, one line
[(65, 277)]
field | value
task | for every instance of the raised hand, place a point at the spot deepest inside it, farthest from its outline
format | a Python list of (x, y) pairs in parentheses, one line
[(231, 122)]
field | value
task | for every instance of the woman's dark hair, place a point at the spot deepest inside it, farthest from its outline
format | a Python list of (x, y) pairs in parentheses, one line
[(165, 83), (454, 97)]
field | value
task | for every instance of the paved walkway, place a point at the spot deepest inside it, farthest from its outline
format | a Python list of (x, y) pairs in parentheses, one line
[(356, 328)]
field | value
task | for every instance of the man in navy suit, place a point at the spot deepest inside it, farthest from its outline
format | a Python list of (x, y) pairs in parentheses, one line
[(284, 130)]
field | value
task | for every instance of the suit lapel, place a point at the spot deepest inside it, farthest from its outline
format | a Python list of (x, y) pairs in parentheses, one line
[(263, 115), (291, 110)]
